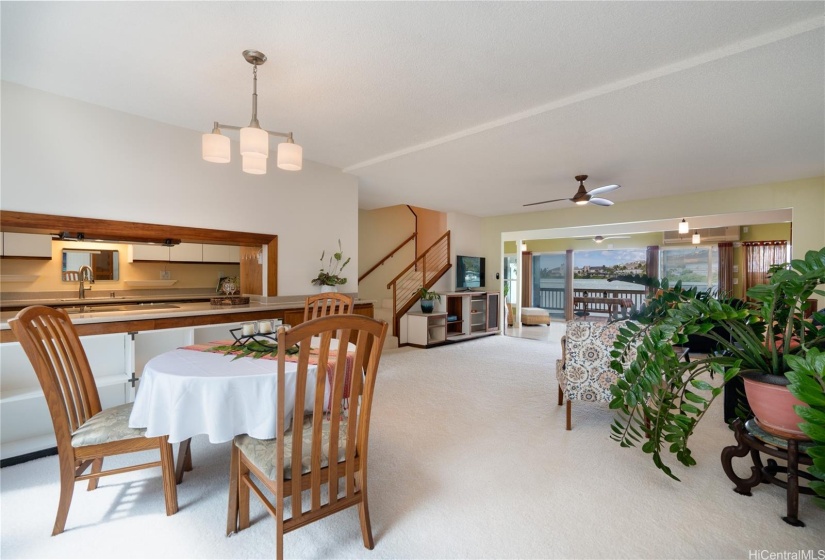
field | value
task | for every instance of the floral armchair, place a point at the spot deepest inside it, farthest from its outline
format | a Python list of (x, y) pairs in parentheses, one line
[(584, 372)]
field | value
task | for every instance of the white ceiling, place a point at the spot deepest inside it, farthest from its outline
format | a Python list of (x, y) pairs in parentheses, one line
[(474, 107)]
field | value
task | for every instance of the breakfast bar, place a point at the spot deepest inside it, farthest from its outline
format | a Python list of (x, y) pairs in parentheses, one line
[(119, 336)]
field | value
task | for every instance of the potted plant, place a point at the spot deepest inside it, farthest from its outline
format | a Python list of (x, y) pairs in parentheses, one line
[(660, 399), (330, 278), (428, 299)]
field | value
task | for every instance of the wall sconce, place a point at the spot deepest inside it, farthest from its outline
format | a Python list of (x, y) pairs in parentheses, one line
[(696, 238), (684, 227), (523, 247)]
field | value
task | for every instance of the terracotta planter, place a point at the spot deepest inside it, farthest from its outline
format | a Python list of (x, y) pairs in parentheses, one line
[(773, 404)]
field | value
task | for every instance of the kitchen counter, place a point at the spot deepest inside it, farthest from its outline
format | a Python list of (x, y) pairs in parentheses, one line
[(184, 314), (16, 304)]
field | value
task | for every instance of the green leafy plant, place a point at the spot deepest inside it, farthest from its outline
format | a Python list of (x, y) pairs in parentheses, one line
[(427, 295), (660, 399), (331, 276), (807, 377), (253, 349)]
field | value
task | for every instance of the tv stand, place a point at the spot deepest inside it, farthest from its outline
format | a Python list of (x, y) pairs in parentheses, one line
[(468, 315), (471, 314)]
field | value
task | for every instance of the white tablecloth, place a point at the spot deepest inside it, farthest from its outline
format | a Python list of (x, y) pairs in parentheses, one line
[(183, 393)]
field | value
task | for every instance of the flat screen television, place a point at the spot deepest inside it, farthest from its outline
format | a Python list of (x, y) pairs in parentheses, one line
[(469, 272)]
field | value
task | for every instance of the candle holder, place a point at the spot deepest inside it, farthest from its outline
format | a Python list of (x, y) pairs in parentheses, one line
[(252, 331)]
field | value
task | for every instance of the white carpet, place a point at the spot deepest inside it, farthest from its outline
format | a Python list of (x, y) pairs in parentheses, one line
[(469, 458)]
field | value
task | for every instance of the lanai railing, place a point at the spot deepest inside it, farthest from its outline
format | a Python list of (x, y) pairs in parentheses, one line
[(553, 299), (424, 271)]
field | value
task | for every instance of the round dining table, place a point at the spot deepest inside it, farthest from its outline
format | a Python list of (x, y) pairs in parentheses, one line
[(188, 392)]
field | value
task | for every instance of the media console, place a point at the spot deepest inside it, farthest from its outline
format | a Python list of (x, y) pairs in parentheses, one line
[(468, 315)]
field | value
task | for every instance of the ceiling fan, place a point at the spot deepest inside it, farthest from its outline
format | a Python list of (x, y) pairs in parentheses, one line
[(599, 238), (584, 197)]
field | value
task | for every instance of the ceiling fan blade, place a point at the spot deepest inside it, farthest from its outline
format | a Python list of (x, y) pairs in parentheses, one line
[(546, 201), (604, 189), (601, 201), (618, 237)]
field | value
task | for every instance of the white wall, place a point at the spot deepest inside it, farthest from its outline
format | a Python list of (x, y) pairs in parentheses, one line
[(64, 157), (466, 239)]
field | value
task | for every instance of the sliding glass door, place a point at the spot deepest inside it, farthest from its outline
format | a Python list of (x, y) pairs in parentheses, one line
[(547, 287)]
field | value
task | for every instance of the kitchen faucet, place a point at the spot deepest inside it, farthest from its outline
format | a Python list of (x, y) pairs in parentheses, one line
[(80, 275)]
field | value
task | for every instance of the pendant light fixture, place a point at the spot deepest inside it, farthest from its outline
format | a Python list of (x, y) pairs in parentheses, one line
[(684, 227), (696, 238), (254, 139)]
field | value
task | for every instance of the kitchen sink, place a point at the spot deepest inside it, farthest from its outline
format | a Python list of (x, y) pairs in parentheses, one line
[(103, 308), (102, 298)]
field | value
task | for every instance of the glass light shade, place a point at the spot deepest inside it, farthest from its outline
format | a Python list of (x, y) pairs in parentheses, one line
[(215, 148), (254, 142), (581, 202), (290, 156), (254, 165), (696, 239), (684, 227)]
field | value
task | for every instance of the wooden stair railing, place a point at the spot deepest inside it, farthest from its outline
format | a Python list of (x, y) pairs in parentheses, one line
[(387, 257), (424, 271)]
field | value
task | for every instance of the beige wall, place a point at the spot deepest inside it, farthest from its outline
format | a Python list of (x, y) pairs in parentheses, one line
[(637, 241), (805, 198), (379, 232), (430, 226)]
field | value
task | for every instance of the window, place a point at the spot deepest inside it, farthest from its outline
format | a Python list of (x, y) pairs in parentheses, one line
[(694, 266), (759, 257)]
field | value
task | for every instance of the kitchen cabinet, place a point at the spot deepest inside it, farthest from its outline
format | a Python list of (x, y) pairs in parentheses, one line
[(186, 252), (27, 245), (148, 253), (221, 254)]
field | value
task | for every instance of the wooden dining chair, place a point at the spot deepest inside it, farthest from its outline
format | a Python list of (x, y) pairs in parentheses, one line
[(85, 433), (331, 303), (287, 466)]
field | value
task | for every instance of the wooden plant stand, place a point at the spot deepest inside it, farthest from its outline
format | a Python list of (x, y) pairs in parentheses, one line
[(751, 438)]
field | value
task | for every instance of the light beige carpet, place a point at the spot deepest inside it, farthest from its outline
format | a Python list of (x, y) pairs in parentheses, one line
[(469, 459)]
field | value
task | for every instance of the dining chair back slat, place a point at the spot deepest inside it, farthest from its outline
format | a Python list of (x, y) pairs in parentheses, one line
[(331, 303), (327, 442), (53, 347)]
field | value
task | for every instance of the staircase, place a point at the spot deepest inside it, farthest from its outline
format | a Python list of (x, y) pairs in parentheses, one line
[(384, 311), (424, 271)]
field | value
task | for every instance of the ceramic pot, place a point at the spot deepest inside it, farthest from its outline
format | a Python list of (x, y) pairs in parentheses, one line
[(773, 404), (327, 289), (427, 305)]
